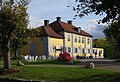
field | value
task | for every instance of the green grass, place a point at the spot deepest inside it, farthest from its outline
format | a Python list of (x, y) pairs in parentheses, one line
[(65, 74), (13, 62)]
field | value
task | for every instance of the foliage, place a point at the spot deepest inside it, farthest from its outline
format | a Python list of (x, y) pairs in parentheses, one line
[(103, 43), (65, 57), (112, 33), (13, 25), (65, 74), (110, 7), (23, 38)]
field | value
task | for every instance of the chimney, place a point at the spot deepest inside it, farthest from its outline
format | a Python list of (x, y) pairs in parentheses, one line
[(58, 18), (79, 28), (46, 22), (69, 22)]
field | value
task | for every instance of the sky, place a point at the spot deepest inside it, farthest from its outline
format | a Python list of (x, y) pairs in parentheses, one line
[(40, 10)]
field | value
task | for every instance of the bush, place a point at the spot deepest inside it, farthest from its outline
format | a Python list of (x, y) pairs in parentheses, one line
[(65, 57)]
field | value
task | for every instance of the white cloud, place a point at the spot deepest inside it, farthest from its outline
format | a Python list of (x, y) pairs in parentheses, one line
[(35, 21), (95, 29), (46, 9)]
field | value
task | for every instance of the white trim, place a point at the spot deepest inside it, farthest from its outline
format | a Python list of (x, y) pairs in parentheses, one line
[(72, 44), (48, 45), (64, 42)]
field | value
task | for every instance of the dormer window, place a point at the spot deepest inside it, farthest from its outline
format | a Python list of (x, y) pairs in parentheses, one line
[(79, 28)]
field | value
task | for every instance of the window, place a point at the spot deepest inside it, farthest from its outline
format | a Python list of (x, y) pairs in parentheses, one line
[(100, 51), (75, 38), (83, 50), (76, 50), (68, 38), (96, 51), (82, 39), (79, 39), (88, 41), (93, 51), (88, 50), (53, 48), (69, 49)]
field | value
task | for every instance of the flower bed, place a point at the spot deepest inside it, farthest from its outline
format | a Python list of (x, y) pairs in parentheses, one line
[(65, 57)]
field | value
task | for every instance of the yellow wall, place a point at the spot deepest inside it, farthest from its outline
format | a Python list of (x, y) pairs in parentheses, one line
[(58, 43), (78, 44)]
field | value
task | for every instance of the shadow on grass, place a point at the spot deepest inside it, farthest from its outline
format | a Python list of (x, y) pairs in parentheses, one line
[(118, 60), (51, 62), (97, 78)]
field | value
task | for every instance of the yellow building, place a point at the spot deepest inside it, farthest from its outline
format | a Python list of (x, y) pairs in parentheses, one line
[(59, 36)]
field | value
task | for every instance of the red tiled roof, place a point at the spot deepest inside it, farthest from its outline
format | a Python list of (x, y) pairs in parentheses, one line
[(56, 29), (62, 26), (48, 31)]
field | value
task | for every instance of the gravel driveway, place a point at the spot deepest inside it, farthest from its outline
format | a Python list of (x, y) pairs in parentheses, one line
[(102, 63)]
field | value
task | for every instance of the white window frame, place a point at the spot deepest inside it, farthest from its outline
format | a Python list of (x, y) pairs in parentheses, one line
[(75, 38), (83, 39), (79, 39), (75, 50), (68, 37), (88, 41)]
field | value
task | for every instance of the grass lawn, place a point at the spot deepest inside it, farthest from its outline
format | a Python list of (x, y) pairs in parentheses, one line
[(61, 74), (65, 74), (13, 62)]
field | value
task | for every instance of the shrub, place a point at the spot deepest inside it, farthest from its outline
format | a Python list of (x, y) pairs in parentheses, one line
[(65, 57)]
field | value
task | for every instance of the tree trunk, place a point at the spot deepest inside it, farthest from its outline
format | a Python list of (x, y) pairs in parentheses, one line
[(6, 55), (7, 64)]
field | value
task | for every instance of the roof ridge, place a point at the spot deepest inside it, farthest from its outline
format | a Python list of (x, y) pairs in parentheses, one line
[(61, 25), (46, 30)]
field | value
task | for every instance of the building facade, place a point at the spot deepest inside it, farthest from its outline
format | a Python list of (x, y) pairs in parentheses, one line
[(58, 37)]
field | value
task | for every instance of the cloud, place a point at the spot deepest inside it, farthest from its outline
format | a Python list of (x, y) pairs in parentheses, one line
[(95, 29), (35, 21), (40, 10)]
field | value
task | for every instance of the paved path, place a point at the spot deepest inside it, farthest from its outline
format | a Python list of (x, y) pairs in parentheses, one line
[(102, 64), (99, 64)]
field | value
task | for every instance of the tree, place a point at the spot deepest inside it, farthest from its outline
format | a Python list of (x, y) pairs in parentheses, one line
[(13, 19), (23, 38), (112, 33), (110, 7)]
